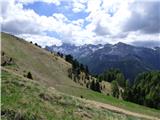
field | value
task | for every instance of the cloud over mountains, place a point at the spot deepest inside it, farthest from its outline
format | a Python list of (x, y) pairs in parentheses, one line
[(82, 21)]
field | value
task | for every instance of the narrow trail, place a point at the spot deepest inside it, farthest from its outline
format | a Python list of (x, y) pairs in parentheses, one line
[(117, 109), (103, 105)]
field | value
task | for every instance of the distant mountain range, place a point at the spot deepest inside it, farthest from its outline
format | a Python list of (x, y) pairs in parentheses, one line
[(131, 60)]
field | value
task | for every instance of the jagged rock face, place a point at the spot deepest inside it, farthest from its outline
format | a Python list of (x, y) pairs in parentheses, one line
[(131, 60)]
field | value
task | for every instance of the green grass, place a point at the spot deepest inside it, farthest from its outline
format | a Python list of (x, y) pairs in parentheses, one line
[(88, 94), (51, 71), (28, 100), (45, 67)]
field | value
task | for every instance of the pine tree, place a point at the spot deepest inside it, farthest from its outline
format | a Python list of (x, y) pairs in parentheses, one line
[(97, 87), (87, 72), (120, 79), (115, 89), (82, 67), (69, 58), (92, 85)]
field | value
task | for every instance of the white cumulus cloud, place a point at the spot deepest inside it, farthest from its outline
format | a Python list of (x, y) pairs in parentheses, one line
[(106, 21)]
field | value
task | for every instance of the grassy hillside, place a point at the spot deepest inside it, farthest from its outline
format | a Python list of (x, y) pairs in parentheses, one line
[(51, 71), (28, 100), (45, 67)]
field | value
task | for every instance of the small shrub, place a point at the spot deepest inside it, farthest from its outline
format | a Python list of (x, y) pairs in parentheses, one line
[(29, 75), (81, 96), (36, 44), (3, 53), (4, 63), (10, 59), (45, 96)]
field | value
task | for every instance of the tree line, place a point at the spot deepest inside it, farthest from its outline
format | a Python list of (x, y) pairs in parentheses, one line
[(77, 69), (144, 91)]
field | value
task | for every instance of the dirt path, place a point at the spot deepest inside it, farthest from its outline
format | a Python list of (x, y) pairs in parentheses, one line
[(118, 110)]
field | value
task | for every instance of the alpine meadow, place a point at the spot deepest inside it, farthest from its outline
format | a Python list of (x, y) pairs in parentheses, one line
[(80, 59)]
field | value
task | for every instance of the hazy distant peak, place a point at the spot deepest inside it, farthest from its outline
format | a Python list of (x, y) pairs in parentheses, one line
[(121, 44)]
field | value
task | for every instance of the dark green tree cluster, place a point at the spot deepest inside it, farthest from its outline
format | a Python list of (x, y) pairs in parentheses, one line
[(60, 54), (146, 90), (95, 85), (127, 94), (69, 58), (116, 78), (77, 67), (115, 89), (113, 74)]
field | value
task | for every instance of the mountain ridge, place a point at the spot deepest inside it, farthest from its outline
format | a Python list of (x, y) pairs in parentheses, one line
[(114, 56)]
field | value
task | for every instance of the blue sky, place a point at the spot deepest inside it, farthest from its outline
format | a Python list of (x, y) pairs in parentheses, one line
[(46, 9), (82, 21), (42, 8)]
